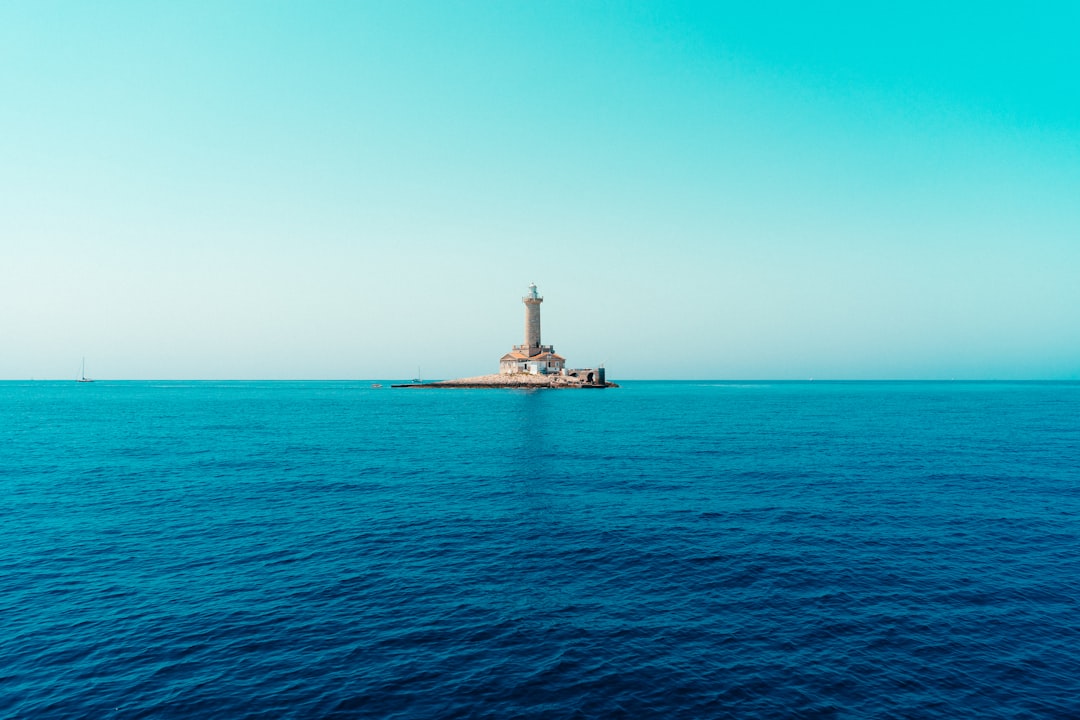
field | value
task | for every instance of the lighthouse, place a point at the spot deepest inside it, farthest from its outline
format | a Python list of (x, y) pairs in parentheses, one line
[(532, 356), (532, 321), (530, 365)]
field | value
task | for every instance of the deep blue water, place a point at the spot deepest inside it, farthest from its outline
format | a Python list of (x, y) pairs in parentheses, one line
[(332, 550)]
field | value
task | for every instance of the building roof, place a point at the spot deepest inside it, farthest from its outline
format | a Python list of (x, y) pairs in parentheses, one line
[(522, 356)]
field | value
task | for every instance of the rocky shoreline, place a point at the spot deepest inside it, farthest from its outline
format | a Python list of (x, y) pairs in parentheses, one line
[(517, 380)]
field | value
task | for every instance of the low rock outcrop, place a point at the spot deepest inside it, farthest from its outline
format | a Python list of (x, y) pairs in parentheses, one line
[(516, 380)]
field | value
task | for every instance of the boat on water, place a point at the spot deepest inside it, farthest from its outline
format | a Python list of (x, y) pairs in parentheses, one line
[(82, 374)]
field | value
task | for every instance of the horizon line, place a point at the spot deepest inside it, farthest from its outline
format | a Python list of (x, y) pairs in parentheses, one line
[(630, 379)]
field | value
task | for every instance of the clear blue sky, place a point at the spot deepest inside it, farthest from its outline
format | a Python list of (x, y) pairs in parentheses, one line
[(700, 190)]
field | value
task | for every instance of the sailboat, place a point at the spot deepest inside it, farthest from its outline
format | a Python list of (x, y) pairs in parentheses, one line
[(82, 375)]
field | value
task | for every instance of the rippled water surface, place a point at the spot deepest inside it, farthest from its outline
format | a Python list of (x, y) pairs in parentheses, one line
[(333, 550)]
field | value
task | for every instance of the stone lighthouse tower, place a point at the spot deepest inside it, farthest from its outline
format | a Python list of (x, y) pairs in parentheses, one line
[(532, 357), (532, 321)]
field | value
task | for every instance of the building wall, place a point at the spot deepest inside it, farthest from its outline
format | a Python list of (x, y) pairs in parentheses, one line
[(593, 376), (532, 322), (531, 366)]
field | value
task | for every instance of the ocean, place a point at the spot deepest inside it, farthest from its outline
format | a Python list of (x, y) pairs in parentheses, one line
[(662, 549)]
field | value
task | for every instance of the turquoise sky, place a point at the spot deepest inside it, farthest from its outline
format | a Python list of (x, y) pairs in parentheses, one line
[(700, 190)]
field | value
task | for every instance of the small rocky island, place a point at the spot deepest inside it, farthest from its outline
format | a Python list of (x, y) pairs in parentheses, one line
[(529, 365)]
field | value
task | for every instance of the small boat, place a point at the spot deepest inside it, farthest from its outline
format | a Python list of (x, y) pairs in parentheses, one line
[(374, 385), (82, 375)]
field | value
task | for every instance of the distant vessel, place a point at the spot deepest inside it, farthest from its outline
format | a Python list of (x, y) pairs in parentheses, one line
[(82, 375)]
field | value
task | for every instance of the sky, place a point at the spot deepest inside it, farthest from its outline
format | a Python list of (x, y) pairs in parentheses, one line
[(351, 190)]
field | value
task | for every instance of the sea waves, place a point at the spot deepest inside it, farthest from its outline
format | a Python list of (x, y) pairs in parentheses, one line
[(664, 549)]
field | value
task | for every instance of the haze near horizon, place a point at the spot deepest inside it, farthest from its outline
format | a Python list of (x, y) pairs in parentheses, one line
[(285, 190)]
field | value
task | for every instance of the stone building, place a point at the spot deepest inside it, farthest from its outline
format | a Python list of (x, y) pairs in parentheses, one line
[(530, 365), (532, 356)]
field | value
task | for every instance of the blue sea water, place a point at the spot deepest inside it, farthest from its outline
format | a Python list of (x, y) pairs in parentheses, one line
[(691, 549)]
